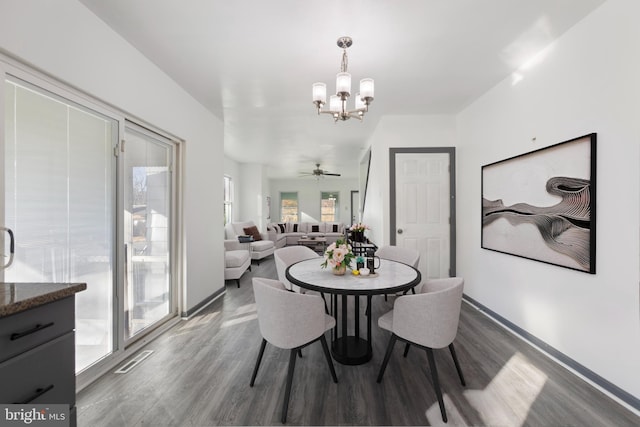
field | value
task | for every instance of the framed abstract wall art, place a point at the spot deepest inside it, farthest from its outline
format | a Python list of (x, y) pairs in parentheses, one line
[(541, 205)]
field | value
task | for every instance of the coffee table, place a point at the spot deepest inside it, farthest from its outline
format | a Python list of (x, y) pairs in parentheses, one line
[(318, 244)]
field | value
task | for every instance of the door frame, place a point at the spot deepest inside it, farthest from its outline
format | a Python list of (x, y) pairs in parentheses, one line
[(352, 217), (451, 151)]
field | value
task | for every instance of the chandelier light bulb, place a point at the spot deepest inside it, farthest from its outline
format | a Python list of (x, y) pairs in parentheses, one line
[(335, 103), (366, 88), (360, 105), (320, 92), (343, 84)]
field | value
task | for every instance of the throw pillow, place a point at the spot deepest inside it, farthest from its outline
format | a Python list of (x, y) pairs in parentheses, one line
[(252, 231), (295, 228), (335, 228), (281, 227), (315, 228)]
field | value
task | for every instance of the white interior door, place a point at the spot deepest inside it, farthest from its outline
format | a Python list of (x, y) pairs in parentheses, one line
[(422, 209)]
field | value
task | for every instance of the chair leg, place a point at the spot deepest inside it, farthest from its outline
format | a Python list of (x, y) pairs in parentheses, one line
[(326, 309), (406, 349), (300, 353), (455, 361), (387, 355), (436, 383), (255, 370), (238, 282), (287, 393), (325, 347)]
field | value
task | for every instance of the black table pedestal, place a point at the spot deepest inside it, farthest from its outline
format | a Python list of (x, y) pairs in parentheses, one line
[(350, 349)]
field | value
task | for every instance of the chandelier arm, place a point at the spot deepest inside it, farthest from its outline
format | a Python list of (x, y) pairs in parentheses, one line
[(355, 115), (363, 110)]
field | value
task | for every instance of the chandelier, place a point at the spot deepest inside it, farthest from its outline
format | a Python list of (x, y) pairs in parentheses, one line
[(338, 102)]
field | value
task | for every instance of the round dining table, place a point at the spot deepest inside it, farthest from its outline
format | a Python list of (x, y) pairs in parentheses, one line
[(389, 278)]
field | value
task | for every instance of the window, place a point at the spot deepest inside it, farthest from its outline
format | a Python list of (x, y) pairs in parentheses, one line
[(289, 207), (329, 206), (228, 200)]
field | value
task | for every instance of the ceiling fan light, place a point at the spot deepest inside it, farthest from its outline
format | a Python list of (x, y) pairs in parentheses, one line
[(320, 92), (366, 88), (343, 84)]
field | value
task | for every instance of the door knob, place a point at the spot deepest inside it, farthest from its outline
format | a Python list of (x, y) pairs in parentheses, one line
[(399, 230)]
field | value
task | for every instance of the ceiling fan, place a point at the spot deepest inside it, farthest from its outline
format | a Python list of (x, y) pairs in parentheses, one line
[(317, 172)]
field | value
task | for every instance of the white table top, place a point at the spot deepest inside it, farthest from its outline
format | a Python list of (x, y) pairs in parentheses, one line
[(390, 277)]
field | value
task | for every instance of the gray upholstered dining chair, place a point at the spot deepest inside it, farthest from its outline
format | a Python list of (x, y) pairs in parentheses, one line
[(289, 255), (278, 309), (428, 320), (400, 254)]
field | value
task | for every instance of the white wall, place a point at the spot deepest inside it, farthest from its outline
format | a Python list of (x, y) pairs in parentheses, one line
[(398, 131), (67, 41), (253, 190), (309, 190), (587, 81)]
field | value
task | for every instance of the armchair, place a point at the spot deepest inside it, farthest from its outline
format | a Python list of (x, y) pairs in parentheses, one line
[(236, 260), (260, 248)]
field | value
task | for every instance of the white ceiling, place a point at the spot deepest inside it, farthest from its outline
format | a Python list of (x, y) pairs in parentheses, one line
[(252, 62)]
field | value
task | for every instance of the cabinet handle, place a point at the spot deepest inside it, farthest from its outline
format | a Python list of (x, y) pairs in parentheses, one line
[(39, 392), (38, 327)]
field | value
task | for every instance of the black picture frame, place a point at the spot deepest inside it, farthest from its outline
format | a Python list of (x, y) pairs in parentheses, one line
[(541, 205)]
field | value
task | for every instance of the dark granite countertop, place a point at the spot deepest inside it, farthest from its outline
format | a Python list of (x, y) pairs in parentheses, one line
[(17, 297)]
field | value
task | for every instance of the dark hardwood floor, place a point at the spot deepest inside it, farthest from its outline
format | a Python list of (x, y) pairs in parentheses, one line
[(199, 375)]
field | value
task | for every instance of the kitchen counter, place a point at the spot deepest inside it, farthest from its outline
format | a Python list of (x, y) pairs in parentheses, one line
[(37, 344), (19, 297)]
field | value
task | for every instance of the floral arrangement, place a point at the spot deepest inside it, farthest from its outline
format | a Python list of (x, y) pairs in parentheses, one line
[(338, 255), (359, 227)]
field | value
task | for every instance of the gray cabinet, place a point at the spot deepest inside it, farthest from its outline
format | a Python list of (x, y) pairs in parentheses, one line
[(37, 355)]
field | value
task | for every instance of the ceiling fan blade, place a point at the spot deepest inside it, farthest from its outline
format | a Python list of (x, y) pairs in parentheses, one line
[(332, 174)]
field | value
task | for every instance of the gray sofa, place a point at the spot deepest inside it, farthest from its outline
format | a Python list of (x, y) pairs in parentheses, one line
[(288, 233)]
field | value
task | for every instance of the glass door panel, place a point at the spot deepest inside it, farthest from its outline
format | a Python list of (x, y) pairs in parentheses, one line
[(59, 175), (147, 228)]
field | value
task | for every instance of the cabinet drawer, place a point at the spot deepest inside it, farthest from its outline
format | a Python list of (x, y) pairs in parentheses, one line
[(45, 374), (28, 329)]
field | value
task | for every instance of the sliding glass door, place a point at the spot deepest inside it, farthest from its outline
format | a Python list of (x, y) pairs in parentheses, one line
[(59, 175), (90, 198), (147, 229)]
